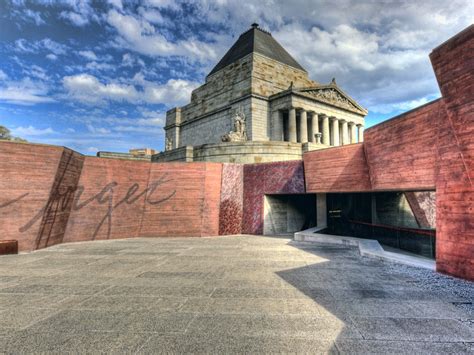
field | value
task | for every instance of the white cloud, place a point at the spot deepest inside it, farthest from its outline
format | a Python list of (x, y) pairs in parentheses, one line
[(21, 45), (32, 131), (98, 130), (46, 44), (129, 60), (92, 149), (156, 121), (75, 18), (138, 129), (88, 89), (24, 92), (88, 55), (378, 51), (54, 47), (116, 3), (94, 66), (35, 71), (35, 16), (367, 45), (80, 13), (140, 35), (3, 75)]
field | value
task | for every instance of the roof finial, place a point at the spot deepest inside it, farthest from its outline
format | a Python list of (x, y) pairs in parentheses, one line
[(254, 25), (333, 81)]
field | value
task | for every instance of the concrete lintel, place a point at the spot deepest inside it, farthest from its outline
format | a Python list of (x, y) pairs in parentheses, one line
[(367, 247)]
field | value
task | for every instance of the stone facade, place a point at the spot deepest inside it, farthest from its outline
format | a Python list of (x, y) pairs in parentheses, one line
[(275, 95)]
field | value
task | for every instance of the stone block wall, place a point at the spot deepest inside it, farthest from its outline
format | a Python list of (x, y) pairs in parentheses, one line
[(270, 76), (223, 87), (260, 120), (208, 129), (211, 128)]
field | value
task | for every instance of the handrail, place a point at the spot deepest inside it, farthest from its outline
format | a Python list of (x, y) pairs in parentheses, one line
[(430, 233)]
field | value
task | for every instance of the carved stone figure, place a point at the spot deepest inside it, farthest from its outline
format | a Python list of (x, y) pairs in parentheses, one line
[(239, 134), (168, 144)]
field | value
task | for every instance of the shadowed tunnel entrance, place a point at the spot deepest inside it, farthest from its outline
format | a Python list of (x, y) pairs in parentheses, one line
[(402, 220), (289, 213)]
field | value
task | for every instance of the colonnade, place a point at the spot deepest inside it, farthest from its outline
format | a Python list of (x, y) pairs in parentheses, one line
[(317, 128)]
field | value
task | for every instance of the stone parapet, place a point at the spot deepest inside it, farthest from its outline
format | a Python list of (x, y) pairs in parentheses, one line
[(237, 152), (179, 154), (127, 156)]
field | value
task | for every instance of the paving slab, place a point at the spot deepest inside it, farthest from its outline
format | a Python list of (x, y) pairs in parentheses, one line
[(377, 347), (276, 325), (232, 344), (233, 294), (137, 321), (414, 329)]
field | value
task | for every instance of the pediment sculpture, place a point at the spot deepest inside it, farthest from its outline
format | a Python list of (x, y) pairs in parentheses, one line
[(333, 97)]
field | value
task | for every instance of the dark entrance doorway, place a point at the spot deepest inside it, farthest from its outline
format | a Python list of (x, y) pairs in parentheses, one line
[(285, 214), (402, 220)]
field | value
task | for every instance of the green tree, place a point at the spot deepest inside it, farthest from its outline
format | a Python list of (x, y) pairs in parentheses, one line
[(6, 135)]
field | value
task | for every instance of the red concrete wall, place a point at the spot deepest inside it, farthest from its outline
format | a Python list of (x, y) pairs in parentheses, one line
[(190, 200), (401, 152), (101, 209), (50, 195), (338, 169), (398, 154), (268, 178), (27, 176), (453, 63), (431, 147), (59, 206)]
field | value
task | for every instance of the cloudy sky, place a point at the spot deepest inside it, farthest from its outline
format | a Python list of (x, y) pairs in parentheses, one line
[(100, 75)]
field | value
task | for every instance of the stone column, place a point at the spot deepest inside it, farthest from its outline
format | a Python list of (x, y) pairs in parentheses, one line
[(277, 126), (353, 128), (361, 133), (335, 131), (314, 127), (321, 211), (345, 133), (303, 126), (325, 121), (292, 125)]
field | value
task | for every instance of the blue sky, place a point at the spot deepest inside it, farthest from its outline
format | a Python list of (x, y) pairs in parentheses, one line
[(100, 75)]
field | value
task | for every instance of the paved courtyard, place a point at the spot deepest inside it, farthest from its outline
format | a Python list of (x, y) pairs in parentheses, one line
[(226, 294)]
